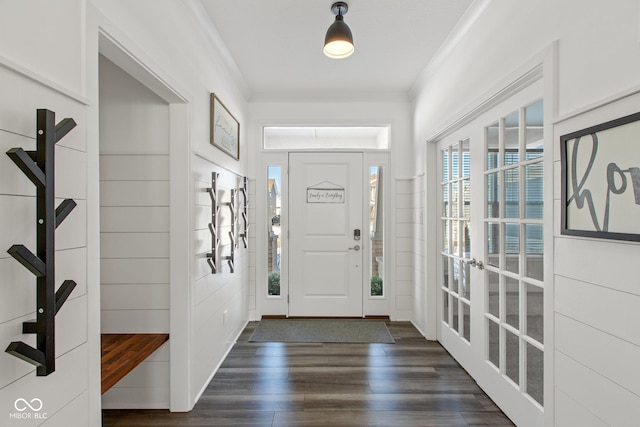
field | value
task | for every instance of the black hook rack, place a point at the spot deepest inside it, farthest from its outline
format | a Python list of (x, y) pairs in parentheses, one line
[(212, 258), (39, 166)]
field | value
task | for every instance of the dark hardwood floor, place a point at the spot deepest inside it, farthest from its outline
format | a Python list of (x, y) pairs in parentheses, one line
[(414, 382)]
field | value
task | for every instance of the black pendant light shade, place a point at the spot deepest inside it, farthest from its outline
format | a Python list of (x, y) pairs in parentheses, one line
[(338, 43)]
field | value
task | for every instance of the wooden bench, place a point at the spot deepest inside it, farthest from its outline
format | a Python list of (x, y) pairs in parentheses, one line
[(123, 352)]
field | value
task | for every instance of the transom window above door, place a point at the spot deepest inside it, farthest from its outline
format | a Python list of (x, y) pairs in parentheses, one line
[(326, 137)]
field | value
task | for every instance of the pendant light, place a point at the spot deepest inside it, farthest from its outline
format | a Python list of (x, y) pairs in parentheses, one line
[(338, 43)]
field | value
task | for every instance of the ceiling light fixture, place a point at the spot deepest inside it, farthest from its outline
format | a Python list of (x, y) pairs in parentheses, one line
[(338, 43)]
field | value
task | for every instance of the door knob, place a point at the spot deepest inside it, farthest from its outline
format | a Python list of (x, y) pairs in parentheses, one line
[(355, 248), (476, 263)]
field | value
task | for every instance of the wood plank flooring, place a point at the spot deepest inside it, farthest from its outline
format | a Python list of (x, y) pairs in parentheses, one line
[(414, 382)]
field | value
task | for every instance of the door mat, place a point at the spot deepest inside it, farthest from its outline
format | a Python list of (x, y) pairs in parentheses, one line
[(322, 330)]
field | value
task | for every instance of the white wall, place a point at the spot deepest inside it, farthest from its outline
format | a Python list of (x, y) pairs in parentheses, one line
[(598, 58), (40, 67), (134, 229)]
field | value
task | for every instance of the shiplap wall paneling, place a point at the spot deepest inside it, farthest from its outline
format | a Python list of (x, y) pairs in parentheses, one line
[(253, 287), (596, 310), (406, 236), (60, 391), (220, 300)]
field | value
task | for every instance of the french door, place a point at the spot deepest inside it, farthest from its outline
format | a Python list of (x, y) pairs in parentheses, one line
[(490, 299)]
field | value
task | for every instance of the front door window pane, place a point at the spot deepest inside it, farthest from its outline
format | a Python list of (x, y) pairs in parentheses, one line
[(376, 230), (274, 231)]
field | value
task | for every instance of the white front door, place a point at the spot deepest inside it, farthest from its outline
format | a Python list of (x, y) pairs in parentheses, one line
[(325, 228), (491, 253)]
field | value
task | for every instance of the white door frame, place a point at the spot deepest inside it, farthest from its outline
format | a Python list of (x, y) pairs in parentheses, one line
[(111, 43)]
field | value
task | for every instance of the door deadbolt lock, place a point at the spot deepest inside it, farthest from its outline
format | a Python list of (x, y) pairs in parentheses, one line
[(356, 234)]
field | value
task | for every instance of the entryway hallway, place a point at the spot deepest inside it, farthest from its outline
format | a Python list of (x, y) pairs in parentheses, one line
[(413, 382)]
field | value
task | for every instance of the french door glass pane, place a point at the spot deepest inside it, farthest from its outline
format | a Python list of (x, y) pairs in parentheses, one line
[(493, 195), (465, 281), (511, 138), (534, 251), (534, 190), (512, 359), (466, 321), (493, 244), (445, 165), (454, 313), (535, 313), (466, 239), (456, 275), (511, 193), (445, 236), (535, 373), (445, 306), (466, 198), (512, 301), (465, 167), (533, 137), (494, 343), (455, 200), (493, 293), (445, 271), (512, 247), (493, 145), (455, 170), (455, 238), (445, 200)]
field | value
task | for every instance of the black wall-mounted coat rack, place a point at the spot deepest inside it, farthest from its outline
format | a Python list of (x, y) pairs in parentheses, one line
[(39, 167)]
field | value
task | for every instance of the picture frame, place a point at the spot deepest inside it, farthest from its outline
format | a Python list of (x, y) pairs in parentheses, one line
[(225, 129), (600, 180)]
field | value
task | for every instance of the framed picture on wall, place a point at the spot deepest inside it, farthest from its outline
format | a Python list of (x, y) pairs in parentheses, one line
[(225, 129), (601, 180)]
